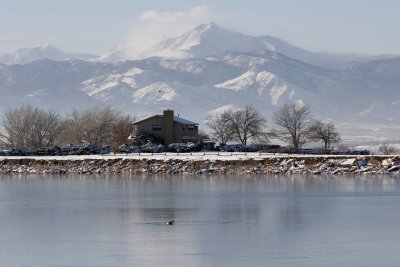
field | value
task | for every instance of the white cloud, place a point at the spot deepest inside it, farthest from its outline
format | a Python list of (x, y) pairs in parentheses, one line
[(153, 26), (194, 15)]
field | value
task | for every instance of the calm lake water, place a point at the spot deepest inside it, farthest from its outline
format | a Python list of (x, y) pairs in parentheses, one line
[(220, 221)]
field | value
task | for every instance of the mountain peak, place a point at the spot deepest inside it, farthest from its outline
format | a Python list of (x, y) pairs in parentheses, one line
[(206, 27), (46, 51), (204, 40), (210, 39), (48, 46)]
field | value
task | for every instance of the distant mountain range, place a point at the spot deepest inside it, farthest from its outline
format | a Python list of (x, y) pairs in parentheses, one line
[(210, 39), (209, 69), (27, 55)]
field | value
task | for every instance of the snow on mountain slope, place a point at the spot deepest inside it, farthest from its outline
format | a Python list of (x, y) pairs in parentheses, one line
[(241, 82), (210, 39), (264, 81), (222, 109), (129, 85), (202, 41), (27, 55), (154, 93), (47, 84), (277, 89), (193, 72), (323, 59), (196, 87)]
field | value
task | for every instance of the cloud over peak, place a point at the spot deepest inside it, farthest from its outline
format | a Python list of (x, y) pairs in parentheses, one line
[(152, 26), (196, 15)]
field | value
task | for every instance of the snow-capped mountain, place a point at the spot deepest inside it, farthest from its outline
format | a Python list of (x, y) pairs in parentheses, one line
[(204, 40), (210, 69), (210, 39), (363, 94), (27, 55)]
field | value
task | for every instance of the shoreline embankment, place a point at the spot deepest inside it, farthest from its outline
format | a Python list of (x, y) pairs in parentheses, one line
[(203, 163)]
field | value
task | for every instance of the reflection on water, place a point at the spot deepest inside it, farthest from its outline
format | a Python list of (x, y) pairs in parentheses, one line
[(224, 221)]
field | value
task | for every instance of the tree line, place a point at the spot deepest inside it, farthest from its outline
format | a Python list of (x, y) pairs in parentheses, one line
[(30, 128), (293, 124)]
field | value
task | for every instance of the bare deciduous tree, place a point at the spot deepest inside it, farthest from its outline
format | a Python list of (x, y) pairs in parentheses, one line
[(248, 123), (91, 126), (386, 149), (343, 148), (27, 127), (122, 129), (73, 128), (220, 125), (324, 132), (293, 122)]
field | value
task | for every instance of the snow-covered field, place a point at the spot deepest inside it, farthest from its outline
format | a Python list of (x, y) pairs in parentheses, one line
[(195, 156)]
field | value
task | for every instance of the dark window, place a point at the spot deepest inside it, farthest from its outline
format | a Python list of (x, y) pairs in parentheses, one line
[(183, 127), (156, 128), (190, 127)]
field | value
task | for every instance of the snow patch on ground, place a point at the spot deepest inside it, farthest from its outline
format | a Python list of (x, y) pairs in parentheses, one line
[(182, 156)]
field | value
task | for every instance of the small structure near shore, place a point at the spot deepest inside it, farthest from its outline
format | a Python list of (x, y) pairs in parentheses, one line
[(170, 128)]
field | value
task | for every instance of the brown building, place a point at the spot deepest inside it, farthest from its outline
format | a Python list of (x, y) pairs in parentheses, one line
[(170, 128)]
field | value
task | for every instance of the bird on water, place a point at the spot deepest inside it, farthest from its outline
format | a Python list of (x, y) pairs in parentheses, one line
[(170, 222)]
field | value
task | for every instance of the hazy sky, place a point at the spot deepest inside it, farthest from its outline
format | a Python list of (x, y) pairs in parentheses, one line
[(95, 26)]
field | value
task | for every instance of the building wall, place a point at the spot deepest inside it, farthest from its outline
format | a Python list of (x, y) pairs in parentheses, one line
[(168, 126), (184, 132), (150, 126), (168, 130)]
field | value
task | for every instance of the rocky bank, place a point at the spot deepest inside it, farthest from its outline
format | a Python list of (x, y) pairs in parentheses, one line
[(343, 165)]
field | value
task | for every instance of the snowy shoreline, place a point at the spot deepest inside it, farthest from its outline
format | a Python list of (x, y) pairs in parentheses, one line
[(201, 163)]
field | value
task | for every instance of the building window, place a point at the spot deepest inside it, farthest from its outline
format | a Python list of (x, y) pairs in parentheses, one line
[(190, 127), (156, 128), (183, 127)]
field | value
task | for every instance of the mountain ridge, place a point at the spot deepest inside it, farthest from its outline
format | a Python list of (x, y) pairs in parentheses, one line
[(210, 39), (361, 97), (46, 51)]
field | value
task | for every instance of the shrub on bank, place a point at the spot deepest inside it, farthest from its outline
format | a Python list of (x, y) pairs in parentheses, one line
[(88, 149), (147, 148), (244, 148), (184, 147)]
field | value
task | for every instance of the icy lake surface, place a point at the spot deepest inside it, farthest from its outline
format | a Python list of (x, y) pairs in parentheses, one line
[(219, 221)]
